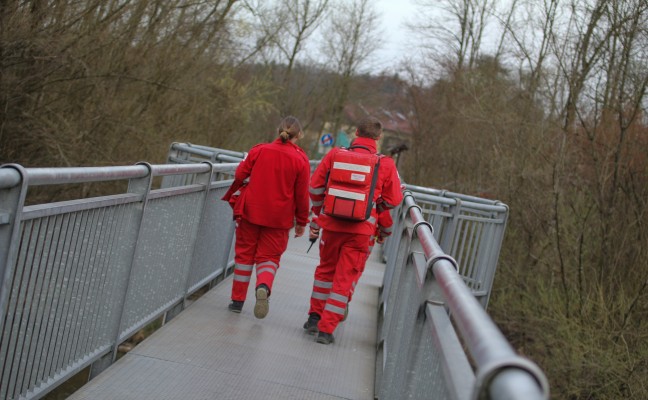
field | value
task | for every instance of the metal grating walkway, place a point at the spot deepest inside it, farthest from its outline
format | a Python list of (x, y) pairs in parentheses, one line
[(207, 352)]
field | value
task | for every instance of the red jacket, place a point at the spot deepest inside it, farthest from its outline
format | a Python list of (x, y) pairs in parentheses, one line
[(387, 193), (384, 225), (277, 192)]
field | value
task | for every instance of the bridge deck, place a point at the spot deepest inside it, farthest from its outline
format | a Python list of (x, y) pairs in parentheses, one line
[(207, 352)]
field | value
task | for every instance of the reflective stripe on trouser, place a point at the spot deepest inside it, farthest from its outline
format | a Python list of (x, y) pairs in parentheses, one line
[(321, 291), (265, 273), (260, 246), (342, 258)]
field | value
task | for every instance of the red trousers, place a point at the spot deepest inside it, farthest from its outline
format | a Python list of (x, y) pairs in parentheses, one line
[(342, 258), (256, 245), (355, 283)]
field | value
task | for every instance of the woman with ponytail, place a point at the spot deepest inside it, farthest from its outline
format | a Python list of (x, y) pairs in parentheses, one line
[(273, 201)]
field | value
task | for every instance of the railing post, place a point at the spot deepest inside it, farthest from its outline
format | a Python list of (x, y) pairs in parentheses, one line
[(140, 186), (205, 180), (13, 190), (448, 238), (497, 237)]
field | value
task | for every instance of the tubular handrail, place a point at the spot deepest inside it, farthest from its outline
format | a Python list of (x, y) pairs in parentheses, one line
[(446, 193), (436, 339), (207, 151), (487, 345), (75, 275), (67, 175), (9, 178), (495, 207)]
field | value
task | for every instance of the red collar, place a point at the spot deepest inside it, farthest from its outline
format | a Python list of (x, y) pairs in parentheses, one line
[(365, 142), (278, 140)]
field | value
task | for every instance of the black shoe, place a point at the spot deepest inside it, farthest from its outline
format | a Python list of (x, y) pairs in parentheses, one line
[(236, 306), (325, 338), (262, 305), (311, 324)]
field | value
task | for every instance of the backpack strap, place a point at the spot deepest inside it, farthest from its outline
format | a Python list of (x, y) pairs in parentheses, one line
[(358, 147)]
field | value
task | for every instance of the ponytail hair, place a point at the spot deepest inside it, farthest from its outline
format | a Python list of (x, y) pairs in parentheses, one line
[(289, 128)]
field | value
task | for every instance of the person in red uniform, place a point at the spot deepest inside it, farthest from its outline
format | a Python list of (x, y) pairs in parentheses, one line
[(272, 188), (381, 232), (344, 244)]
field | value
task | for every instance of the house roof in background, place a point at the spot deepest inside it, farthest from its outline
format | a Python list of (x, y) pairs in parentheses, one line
[(392, 120)]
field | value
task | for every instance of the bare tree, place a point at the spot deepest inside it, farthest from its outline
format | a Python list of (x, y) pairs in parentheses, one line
[(350, 39), (453, 27), (101, 81), (556, 128), (301, 19)]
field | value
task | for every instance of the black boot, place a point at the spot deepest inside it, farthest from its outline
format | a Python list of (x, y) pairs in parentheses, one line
[(236, 306), (325, 338), (311, 324)]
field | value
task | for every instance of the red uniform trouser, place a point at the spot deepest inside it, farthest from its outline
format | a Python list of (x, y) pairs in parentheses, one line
[(256, 245), (355, 282), (342, 257)]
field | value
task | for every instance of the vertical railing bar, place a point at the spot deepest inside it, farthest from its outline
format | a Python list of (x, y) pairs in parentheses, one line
[(78, 284), (76, 279), (465, 242), (7, 324), (53, 311), (49, 296), (26, 314), (204, 179), (121, 280), (13, 198), (88, 282), (142, 186), (458, 244), (77, 292), (44, 261), (94, 297), (107, 281), (13, 302), (449, 239), (92, 284), (58, 333), (481, 228), (470, 249), (499, 233), (480, 247), (124, 213)]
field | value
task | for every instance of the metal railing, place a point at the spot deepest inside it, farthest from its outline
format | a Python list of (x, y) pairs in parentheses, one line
[(182, 153), (435, 339), (79, 277), (469, 229)]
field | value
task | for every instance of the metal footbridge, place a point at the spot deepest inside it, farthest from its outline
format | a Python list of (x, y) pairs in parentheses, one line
[(81, 276)]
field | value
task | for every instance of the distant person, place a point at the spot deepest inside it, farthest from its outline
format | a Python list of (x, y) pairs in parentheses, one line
[(269, 196), (345, 241)]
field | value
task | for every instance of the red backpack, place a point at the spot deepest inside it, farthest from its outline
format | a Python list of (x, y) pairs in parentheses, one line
[(350, 184)]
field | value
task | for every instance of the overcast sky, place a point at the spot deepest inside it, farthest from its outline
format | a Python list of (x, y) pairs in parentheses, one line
[(394, 13)]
